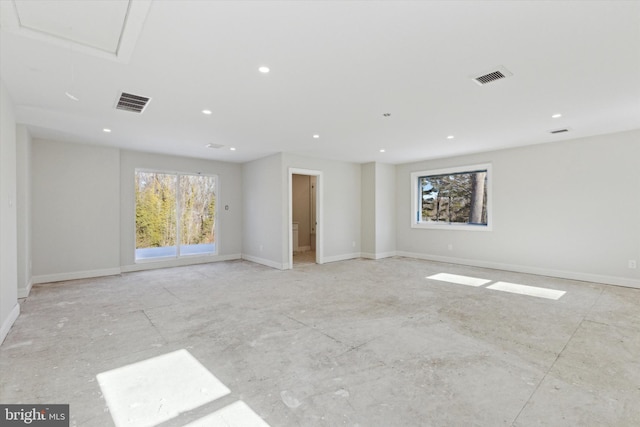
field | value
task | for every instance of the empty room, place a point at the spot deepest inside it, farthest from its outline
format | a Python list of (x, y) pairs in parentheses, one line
[(319, 213)]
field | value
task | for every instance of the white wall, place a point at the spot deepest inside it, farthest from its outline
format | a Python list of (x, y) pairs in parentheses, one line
[(263, 195), (9, 308), (368, 209), (567, 209), (228, 221), (76, 214), (341, 206), (23, 154), (385, 210)]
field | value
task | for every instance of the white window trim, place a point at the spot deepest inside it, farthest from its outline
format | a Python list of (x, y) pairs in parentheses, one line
[(415, 195), (178, 254)]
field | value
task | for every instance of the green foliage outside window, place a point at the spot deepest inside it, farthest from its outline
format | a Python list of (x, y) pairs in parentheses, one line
[(159, 198)]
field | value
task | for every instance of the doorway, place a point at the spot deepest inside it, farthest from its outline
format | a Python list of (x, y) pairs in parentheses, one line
[(305, 241)]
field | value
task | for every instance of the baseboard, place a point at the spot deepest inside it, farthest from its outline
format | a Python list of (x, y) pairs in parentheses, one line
[(267, 262), (24, 292), (380, 255), (342, 257), (8, 323), (60, 277), (303, 249), (178, 262), (571, 275)]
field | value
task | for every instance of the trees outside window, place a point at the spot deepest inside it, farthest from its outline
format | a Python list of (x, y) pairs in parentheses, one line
[(175, 214), (452, 197)]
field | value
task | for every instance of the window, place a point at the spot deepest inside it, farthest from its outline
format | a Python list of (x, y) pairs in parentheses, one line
[(453, 198), (175, 215)]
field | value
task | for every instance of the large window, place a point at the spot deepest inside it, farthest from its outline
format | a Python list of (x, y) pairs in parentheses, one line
[(175, 215), (453, 198)]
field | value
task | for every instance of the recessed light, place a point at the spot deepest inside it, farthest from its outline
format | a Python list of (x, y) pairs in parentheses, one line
[(556, 116), (264, 69), (316, 136), (207, 112), (450, 137), (71, 97), (105, 130), (232, 148), (382, 150)]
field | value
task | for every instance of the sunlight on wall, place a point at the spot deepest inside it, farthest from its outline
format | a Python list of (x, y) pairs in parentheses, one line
[(155, 390), (513, 288)]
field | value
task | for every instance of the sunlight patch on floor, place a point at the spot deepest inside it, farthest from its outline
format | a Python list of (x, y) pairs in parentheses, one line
[(238, 414), (459, 280), (513, 288), (533, 291), (155, 390)]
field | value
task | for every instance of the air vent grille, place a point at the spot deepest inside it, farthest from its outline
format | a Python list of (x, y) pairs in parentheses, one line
[(133, 103), (560, 131), (498, 73)]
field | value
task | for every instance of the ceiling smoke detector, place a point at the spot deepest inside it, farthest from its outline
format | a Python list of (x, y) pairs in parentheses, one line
[(498, 73), (133, 103)]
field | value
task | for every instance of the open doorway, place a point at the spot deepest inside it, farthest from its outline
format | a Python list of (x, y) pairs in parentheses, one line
[(305, 242)]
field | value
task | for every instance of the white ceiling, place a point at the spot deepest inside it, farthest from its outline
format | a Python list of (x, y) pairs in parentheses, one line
[(336, 68)]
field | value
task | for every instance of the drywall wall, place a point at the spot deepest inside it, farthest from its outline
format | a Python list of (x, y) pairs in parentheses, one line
[(368, 209), (228, 201), (302, 209), (341, 206), (9, 308), (566, 209), (385, 210), (262, 195), (23, 166), (75, 210)]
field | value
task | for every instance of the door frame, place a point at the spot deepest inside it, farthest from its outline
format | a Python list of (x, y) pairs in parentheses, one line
[(319, 224)]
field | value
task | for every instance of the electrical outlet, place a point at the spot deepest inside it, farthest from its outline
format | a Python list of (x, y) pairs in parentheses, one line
[(633, 263)]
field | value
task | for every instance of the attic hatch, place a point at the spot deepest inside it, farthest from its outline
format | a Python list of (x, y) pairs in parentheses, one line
[(498, 73), (133, 103)]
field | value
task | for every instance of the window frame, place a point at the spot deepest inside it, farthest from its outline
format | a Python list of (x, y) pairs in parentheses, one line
[(178, 213), (416, 210)]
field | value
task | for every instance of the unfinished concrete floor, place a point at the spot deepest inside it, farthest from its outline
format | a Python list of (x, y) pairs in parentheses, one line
[(357, 343)]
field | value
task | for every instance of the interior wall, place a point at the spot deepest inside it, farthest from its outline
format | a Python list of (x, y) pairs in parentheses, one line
[(301, 195), (385, 210), (566, 209), (263, 226), (228, 200), (75, 210), (9, 308), (341, 206), (368, 206), (23, 154)]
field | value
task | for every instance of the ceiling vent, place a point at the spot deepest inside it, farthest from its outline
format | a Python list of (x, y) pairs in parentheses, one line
[(133, 103), (559, 131), (215, 146), (498, 73)]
